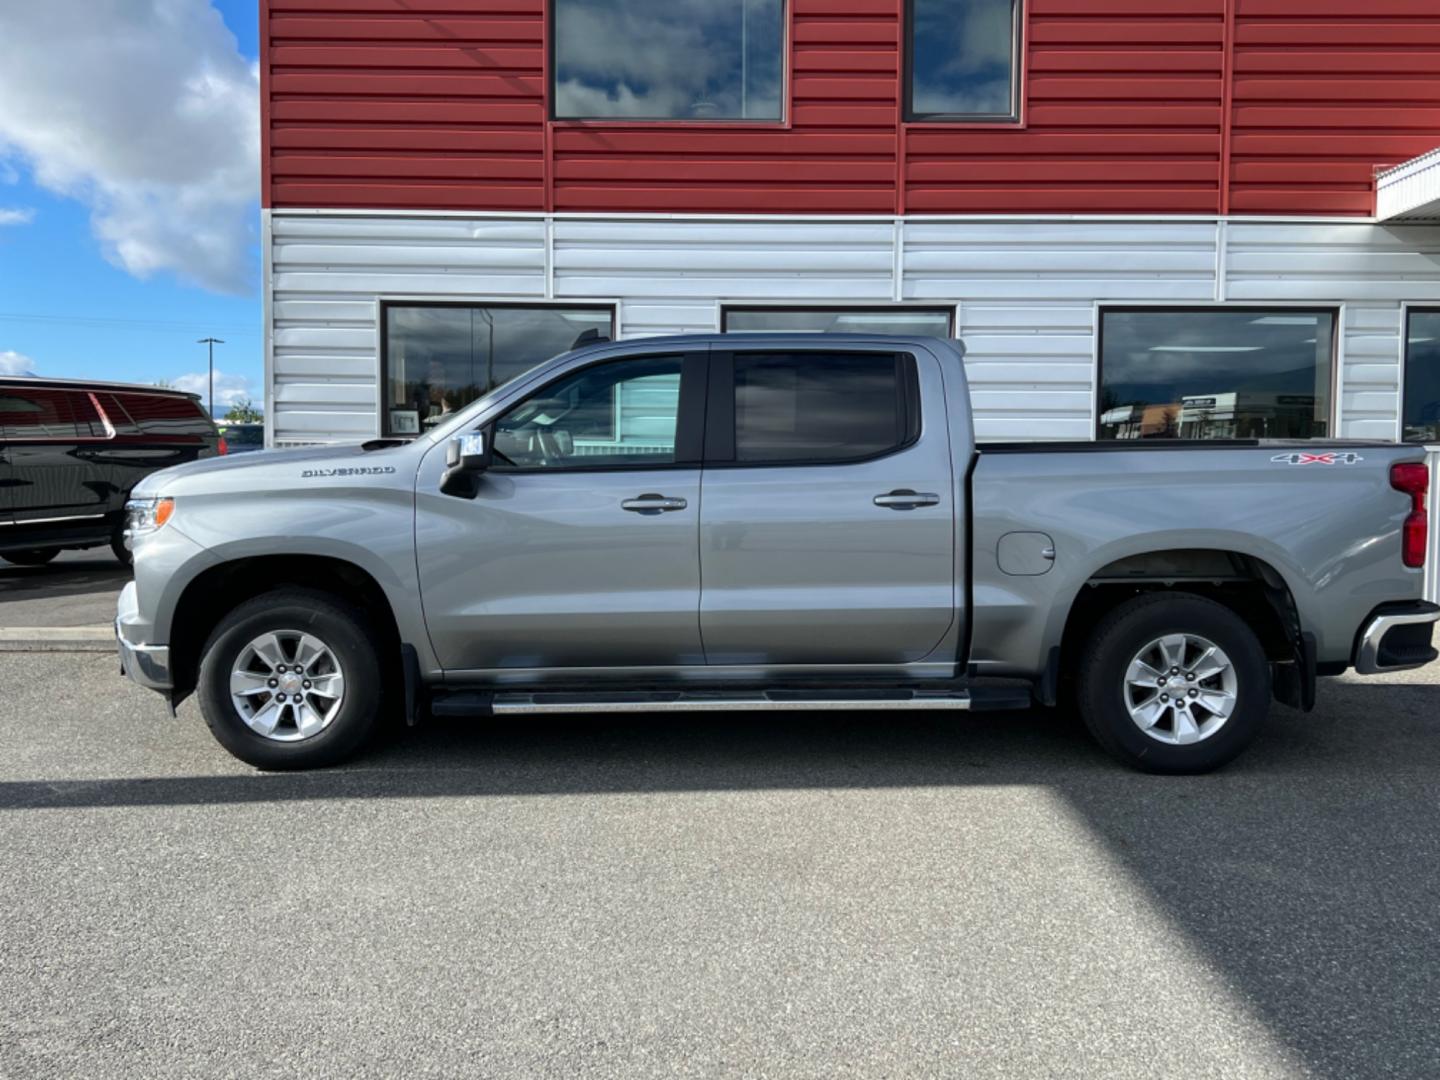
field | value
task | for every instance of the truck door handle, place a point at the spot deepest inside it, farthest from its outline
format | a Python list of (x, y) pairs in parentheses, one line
[(651, 503), (905, 499)]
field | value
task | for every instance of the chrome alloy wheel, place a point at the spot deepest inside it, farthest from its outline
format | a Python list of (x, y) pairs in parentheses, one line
[(287, 685), (1180, 689)]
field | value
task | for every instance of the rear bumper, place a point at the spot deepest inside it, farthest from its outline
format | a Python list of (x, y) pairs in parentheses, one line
[(1397, 638), (146, 665)]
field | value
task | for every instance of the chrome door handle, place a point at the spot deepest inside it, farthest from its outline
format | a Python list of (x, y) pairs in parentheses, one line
[(905, 499), (653, 504)]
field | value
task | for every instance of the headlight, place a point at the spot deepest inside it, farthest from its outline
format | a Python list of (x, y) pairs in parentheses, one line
[(146, 515)]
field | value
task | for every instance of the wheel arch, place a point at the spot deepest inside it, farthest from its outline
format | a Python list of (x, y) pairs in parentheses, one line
[(215, 591)]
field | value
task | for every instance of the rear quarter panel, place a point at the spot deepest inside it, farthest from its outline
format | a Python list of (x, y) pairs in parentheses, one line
[(1331, 531)]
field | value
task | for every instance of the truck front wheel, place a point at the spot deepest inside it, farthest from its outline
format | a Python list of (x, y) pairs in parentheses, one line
[(1173, 683), (291, 679)]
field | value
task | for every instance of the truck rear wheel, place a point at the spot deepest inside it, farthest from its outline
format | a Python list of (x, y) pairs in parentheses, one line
[(1173, 683), (291, 679)]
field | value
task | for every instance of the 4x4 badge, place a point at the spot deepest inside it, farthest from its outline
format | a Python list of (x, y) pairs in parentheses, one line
[(1300, 457)]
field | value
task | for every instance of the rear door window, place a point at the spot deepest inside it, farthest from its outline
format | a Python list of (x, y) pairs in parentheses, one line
[(49, 414), (822, 407)]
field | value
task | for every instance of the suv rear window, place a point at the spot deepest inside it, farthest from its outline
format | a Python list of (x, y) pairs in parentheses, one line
[(822, 407)]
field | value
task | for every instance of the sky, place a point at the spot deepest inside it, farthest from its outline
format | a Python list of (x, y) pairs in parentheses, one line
[(129, 192)]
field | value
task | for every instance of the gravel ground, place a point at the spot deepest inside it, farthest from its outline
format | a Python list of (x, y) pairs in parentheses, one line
[(762, 895)]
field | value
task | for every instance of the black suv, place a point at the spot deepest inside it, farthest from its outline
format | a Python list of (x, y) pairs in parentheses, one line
[(71, 451)]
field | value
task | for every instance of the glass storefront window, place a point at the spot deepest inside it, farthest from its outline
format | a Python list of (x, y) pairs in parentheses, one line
[(440, 357), (669, 59), (930, 322), (1422, 378), (1216, 373)]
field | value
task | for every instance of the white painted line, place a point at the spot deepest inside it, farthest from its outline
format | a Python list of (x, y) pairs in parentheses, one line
[(57, 638)]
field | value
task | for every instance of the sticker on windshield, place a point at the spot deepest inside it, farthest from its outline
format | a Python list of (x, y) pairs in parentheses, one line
[(1300, 457)]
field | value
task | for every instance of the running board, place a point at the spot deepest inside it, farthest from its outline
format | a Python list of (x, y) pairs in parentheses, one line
[(540, 703), (694, 701)]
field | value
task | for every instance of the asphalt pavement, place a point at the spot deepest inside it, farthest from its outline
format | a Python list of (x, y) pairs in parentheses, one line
[(78, 588), (758, 895)]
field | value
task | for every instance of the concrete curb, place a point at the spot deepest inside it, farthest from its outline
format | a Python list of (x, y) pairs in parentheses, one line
[(57, 639)]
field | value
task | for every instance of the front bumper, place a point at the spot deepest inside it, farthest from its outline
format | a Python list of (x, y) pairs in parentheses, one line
[(147, 665), (1397, 638)]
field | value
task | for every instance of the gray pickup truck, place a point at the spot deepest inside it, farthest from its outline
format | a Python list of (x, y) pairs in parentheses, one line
[(769, 522)]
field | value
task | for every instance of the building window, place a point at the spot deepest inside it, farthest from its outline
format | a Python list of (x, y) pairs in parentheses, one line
[(1422, 377), (928, 322), (437, 358), (1216, 373), (662, 60), (963, 59)]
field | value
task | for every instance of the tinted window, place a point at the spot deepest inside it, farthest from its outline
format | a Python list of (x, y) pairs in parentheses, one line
[(41, 413), (623, 413), (161, 414), (440, 358), (669, 59), (931, 322), (817, 407), (963, 59), (1422, 377), (1216, 374)]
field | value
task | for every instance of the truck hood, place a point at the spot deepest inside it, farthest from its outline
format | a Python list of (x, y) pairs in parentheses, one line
[(271, 469)]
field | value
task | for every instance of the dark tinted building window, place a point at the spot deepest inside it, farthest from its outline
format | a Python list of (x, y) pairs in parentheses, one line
[(1221, 373), (1422, 377), (964, 59), (439, 358), (818, 407), (669, 59), (931, 322)]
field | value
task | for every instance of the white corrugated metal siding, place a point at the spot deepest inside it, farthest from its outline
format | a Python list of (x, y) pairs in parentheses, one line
[(1026, 291)]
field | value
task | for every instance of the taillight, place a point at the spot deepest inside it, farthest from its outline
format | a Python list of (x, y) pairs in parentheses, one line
[(1413, 478), (224, 447)]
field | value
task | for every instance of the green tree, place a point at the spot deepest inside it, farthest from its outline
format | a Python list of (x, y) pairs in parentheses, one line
[(242, 411)]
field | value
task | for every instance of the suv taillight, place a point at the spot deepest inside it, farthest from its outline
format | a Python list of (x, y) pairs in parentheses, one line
[(224, 447), (1413, 479)]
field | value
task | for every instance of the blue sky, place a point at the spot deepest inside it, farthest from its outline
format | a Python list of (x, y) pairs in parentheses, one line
[(69, 304)]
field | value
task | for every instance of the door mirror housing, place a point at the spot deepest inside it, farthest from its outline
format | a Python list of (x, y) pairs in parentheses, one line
[(466, 457)]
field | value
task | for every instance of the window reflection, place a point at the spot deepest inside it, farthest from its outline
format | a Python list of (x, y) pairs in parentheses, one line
[(669, 59), (1422, 377), (962, 58), (929, 322), (1222, 374), (439, 358)]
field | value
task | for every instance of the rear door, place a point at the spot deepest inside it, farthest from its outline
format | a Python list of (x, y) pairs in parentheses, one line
[(51, 435), (828, 511)]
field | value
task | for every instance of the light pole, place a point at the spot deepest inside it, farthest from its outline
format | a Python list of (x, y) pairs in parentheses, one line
[(211, 342)]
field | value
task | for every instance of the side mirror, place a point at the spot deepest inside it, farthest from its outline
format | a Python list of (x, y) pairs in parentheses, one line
[(466, 457)]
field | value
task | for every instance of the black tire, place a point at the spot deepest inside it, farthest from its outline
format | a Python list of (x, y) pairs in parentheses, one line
[(347, 633), (32, 557), (117, 544), (1119, 637)]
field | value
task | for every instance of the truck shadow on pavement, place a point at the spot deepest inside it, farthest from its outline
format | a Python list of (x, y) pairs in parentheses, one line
[(1307, 874), (69, 577)]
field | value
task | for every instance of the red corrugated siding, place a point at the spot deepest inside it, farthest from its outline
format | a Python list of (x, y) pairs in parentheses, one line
[(1326, 91), (440, 104)]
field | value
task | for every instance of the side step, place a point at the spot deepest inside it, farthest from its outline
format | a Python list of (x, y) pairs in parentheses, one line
[(541, 703)]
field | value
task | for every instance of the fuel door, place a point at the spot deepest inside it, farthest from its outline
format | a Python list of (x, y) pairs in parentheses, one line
[(1026, 554)]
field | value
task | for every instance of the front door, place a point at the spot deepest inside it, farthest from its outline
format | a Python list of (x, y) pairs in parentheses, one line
[(828, 512), (580, 547)]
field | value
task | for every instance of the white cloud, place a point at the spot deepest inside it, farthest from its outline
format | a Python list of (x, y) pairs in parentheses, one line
[(14, 363), (19, 215), (228, 388), (145, 111)]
